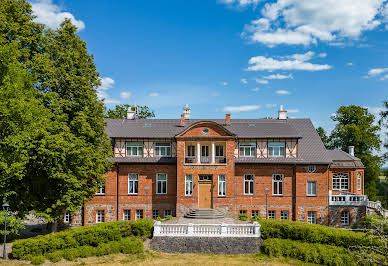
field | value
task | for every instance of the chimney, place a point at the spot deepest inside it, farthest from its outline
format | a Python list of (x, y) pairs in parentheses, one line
[(227, 119), (182, 120), (351, 150), (186, 111), (131, 112), (282, 114)]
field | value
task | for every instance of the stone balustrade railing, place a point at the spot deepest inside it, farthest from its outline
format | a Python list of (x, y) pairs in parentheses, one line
[(348, 200), (207, 230), (376, 205)]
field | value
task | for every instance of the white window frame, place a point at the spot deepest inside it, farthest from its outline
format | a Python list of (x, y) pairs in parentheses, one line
[(276, 147), (220, 150), (309, 186), (284, 215), (312, 168), (251, 185), (67, 217), (190, 153), (101, 191), (345, 219), (340, 181), (138, 213), (270, 216), (163, 149), (280, 183), (189, 185), (166, 213), (135, 184), (222, 186), (161, 181), (100, 216), (155, 214), (312, 217), (359, 181), (134, 145), (247, 146), (255, 212), (127, 214)]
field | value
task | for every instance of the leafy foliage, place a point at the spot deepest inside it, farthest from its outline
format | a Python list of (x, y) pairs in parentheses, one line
[(243, 217), (14, 224), (325, 139), (120, 111), (384, 123)]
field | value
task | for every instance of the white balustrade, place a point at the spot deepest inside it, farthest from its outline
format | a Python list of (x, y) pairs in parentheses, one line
[(348, 199), (207, 230)]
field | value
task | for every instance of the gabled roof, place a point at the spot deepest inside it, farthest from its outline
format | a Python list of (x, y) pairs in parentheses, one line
[(341, 159), (205, 122)]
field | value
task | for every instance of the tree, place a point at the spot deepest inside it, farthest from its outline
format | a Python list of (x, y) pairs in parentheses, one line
[(356, 127), (120, 111), (325, 139)]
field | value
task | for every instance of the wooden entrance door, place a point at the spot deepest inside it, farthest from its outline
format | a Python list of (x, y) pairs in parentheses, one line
[(205, 195)]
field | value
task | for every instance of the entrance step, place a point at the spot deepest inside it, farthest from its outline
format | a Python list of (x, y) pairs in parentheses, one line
[(204, 214)]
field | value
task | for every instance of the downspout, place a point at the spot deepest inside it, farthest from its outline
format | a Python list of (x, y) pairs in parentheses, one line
[(294, 193), (117, 191), (328, 199)]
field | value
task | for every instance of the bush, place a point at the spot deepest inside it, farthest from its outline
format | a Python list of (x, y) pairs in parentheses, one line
[(159, 219), (71, 254), (312, 233), (87, 251), (308, 252), (14, 225), (131, 245), (142, 227), (54, 256), (243, 217), (37, 260), (168, 217)]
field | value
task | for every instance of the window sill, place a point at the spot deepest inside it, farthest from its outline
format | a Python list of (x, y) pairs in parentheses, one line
[(249, 195), (221, 196), (188, 196), (311, 195), (133, 194), (277, 195), (160, 193)]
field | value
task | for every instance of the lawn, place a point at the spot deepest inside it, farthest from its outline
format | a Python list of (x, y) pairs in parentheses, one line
[(156, 258)]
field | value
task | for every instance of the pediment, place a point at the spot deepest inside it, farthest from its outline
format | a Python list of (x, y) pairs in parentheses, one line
[(205, 129)]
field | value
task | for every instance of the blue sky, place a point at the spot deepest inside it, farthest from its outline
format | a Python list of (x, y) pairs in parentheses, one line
[(245, 57)]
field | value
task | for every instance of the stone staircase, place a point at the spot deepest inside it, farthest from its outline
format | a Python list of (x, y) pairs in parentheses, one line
[(204, 214)]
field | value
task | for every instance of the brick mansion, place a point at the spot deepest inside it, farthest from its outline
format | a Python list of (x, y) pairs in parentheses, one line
[(273, 168)]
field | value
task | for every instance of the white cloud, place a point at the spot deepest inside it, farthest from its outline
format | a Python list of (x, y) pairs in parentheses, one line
[(292, 62), (154, 94), (224, 83), (293, 110), (283, 92), (106, 84), (375, 110), (244, 81), (240, 2), (52, 15), (243, 108), (349, 64), (255, 89), (306, 21), (322, 55), (271, 105), (279, 76), (261, 81), (125, 95), (377, 71)]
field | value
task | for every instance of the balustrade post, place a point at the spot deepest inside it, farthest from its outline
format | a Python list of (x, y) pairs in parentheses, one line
[(190, 229), (157, 227), (213, 159), (224, 230), (256, 228), (198, 152)]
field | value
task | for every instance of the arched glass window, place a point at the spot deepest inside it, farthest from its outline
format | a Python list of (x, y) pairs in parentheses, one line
[(340, 181), (277, 184)]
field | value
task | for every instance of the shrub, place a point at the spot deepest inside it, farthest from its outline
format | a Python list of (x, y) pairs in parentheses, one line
[(71, 254), (131, 245), (308, 252), (14, 225), (54, 256), (159, 219), (168, 217), (37, 260), (243, 217), (87, 251), (142, 227)]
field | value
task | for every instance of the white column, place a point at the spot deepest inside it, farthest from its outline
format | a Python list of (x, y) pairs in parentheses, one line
[(157, 228), (256, 229), (198, 152), (213, 153)]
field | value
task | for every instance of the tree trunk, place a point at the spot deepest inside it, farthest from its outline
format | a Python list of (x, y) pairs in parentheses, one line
[(52, 227)]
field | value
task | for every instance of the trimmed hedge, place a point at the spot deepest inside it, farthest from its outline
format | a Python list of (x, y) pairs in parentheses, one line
[(308, 252), (83, 236), (312, 233)]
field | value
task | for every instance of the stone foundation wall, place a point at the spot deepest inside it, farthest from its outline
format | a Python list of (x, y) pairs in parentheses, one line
[(356, 213), (210, 245)]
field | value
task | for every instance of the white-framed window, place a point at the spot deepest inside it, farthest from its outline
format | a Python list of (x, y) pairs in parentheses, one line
[(163, 149), (155, 214), (189, 185), (166, 213), (139, 214), (276, 149), (311, 188), (345, 218), (100, 216), (134, 149), (312, 217), (277, 184), (101, 190), (219, 151), (249, 181), (283, 215), (311, 168), (359, 181), (247, 149), (222, 185), (243, 212), (190, 151), (127, 215), (255, 213), (272, 214), (67, 217), (161, 184), (133, 183), (340, 181)]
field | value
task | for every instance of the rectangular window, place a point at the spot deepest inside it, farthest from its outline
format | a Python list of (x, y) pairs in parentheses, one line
[(345, 218), (161, 184), (134, 149), (139, 214), (312, 217), (255, 213), (248, 184), (340, 181), (191, 151), (205, 177), (204, 151), (219, 150), (189, 185), (311, 188), (277, 184), (243, 212), (272, 214), (101, 190), (67, 217), (247, 149), (276, 149), (284, 215), (359, 180), (163, 149), (166, 213), (155, 214), (127, 215), (100, 216), (221, 185), (133, 183)]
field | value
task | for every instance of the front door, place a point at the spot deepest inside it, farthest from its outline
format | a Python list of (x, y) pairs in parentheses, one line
[(205, 191)]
